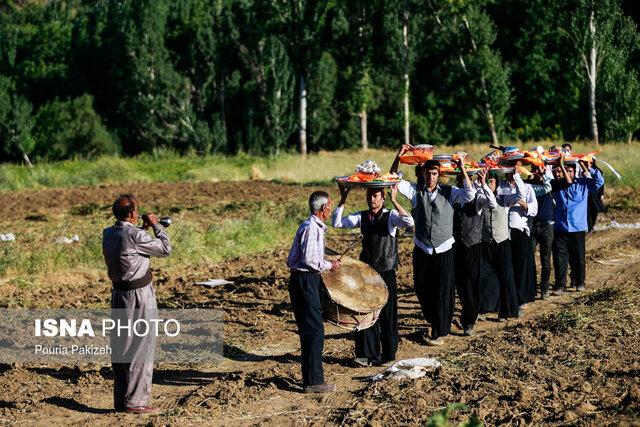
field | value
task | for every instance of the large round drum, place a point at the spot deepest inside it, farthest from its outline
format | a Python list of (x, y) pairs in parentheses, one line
[(354, 295)]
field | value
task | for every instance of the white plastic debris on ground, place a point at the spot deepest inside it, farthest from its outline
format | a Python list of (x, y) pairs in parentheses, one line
[(67, 240), (616, 224), (409, 368), (9, 237), (214, 282)]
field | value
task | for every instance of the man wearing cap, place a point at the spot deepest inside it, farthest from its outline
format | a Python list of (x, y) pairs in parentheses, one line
[(126, 249), (378, 344), (433, 261), (571, 195)]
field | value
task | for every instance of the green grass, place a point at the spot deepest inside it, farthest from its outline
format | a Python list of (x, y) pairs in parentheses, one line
[(204, 239), (320, 167)]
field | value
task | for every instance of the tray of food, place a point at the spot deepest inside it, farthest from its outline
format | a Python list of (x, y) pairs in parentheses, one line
[(502, 170), (368, 175), (418, 154), (456, 171)]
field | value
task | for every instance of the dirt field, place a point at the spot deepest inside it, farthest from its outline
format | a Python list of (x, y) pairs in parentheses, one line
[(569, 360)]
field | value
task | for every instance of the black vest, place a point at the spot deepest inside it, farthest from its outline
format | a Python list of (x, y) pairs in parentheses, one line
[(379, 248), (467, 224)]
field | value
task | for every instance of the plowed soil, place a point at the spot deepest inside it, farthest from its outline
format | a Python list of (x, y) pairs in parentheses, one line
[(571, 360)]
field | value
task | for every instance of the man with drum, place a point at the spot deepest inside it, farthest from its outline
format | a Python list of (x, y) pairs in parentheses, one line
[(306, 261), (379, 227), (433, 261)]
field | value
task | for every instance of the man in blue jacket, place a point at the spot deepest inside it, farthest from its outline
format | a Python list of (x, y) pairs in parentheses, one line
[(571, 195)]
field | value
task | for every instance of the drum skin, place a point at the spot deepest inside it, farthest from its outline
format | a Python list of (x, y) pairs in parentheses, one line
[(353, 295)]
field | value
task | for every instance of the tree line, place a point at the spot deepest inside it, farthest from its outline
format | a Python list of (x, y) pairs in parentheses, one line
[(90, 77)]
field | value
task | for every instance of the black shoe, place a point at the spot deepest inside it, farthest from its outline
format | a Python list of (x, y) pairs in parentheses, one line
[(362, 362)]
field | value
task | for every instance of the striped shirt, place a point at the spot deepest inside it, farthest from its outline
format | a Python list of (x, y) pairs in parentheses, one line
[(307, 250)]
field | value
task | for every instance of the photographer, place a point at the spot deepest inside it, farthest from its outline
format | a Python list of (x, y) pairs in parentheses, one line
[(126, 249)]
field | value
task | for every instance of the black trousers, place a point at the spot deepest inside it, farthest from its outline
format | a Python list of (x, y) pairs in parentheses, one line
[(542, 232), (498, 257), (380, 341), (569, 249), (524, 267), (304, 291), (433, 280), (467, 274)]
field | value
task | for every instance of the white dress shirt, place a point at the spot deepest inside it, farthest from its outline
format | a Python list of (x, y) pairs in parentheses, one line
[(353, 220), (510, 195), (458, 195)]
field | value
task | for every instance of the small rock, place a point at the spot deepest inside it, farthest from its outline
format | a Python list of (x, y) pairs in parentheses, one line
[(585, 408), (570, 416), (632, 396), (523, 395)]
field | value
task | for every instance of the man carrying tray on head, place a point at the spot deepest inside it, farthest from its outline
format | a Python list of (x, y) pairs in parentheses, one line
[(571, 195), (379, 227), (433, 263), (306, 261), (467, 230)]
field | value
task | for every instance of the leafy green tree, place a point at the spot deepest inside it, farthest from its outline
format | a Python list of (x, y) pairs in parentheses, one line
[(16, 124), (322, 86), (151, 99), (595, 32), (619, 85), (280, 84), (469, 33), (300, 25), (547, 97), (71, 128)]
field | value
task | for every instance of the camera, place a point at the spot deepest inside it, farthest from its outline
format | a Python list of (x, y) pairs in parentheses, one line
[(165, 220)]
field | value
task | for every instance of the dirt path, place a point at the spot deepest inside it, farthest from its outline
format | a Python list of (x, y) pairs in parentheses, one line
[(569, 360)]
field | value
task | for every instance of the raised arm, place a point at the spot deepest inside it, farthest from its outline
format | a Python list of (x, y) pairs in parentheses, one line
[(596, 181), (403, 219), (544, 188), (532, 202), (485, 199), (146, 245), (521, 193), (567, 179), (350, 221), (396, 161)]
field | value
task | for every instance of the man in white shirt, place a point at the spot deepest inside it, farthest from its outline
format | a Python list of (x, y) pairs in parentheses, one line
[(379, 227), (433, 260), (522, 210)]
